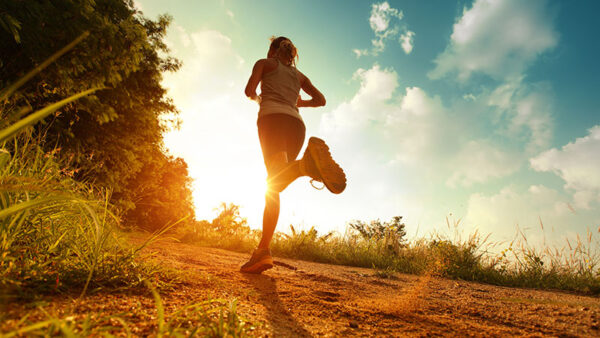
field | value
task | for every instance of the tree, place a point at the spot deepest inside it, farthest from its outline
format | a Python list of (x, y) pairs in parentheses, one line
[(391, 233), (229, 221), (115, 134), (161, 193)]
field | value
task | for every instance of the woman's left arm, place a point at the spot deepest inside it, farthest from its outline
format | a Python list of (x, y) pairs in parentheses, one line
[(254, 80)]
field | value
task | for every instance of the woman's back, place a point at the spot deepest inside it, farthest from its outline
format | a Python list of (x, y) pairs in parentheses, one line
[(281, 85), (279, 91)]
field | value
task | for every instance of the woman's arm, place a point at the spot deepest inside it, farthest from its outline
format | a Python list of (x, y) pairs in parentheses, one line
[(254, 80), (317, 98)]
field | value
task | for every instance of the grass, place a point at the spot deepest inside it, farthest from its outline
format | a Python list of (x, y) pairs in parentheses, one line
[(57, 234), (212, 318), (571, 268)]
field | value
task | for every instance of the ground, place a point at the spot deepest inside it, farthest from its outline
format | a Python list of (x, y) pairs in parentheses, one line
[(298, 298)]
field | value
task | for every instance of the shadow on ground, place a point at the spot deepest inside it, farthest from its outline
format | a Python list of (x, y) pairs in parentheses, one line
[(281, 319)]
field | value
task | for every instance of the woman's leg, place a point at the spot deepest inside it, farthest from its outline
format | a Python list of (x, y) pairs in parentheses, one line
[(276, 184), (282, 167)]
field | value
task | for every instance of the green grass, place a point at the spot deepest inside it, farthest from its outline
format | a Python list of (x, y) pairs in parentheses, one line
[(57, 234), (571, 268), (209, 318)]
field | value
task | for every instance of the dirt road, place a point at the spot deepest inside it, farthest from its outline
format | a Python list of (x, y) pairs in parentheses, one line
[(298, 298)]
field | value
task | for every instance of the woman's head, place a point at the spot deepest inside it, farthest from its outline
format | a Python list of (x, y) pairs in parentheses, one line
[(283, 48)]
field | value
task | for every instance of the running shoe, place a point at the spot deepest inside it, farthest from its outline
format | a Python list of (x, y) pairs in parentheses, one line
[(320, 166), (260, 261)]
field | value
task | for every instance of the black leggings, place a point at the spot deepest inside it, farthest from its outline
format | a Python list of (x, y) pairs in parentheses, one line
[(280, 133)]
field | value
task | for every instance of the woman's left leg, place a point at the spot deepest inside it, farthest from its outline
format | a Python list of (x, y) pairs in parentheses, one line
[(281, 141), (283, 169)]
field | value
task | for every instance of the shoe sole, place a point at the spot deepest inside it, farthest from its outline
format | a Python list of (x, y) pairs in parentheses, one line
[(260, 266), (333, 175)]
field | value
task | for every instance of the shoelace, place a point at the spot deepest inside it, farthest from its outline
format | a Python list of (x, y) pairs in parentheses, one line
[(314, 186)]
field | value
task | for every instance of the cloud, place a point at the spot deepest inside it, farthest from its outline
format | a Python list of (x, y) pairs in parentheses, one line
[(377, 86), (578, 164), (478, 161), (528, 109), (513, 208), (384, 24), (407, 41), (497, 38), (381, 14), (415, 130)]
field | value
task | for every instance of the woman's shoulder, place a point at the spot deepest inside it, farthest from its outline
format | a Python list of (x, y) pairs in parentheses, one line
[(268, 64)]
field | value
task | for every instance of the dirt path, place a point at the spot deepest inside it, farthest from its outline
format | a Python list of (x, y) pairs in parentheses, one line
[(298, 298)]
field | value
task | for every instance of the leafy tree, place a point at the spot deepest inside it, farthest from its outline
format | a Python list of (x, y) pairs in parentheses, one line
[(391, 233), (229, 221), (113, 137), (161, 193)]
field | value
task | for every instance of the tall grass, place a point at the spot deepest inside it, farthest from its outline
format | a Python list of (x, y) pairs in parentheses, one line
[(56, 234), (574, 267)]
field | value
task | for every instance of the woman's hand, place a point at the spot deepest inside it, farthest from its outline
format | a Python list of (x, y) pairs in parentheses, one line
[(317, 98)]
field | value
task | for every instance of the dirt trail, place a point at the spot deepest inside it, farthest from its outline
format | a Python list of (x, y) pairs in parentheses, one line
[(298, 298)]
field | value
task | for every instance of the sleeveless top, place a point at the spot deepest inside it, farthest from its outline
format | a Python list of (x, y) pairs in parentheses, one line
[(279, 92)]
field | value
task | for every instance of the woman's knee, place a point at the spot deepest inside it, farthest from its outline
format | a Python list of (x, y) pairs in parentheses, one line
[(276, 162), (272, 196)]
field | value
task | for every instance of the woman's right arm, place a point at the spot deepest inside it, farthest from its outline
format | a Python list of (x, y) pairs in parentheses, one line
[(317, 98), (254, 80)]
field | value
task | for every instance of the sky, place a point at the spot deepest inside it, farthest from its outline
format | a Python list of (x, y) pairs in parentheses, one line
[(482, 112)]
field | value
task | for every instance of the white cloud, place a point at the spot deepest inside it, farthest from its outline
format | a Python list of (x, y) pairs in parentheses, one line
[(528, 108), (578, 164), (407, 41), (384, 23), (415, 129), (479, 161), (412, 146), (381, 14), (377, 86), (497, 38), (512, 207)]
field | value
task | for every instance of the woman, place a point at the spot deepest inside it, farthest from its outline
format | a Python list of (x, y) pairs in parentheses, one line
[(281, 133)]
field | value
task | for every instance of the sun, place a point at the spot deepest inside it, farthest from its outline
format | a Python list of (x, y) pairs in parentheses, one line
[(246, 191)]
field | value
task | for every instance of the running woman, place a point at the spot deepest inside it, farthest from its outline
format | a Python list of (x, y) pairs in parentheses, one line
[(281, 133)]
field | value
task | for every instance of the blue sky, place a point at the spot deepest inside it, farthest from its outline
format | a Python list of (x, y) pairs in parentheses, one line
[(484, 111)]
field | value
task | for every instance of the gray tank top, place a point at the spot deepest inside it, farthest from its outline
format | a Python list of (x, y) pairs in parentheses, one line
[(279, 92)]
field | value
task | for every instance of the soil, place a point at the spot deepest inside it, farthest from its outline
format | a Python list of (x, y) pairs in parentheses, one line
[(298, 298)]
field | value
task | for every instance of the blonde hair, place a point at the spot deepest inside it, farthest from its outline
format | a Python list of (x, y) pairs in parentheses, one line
[(284, 47)]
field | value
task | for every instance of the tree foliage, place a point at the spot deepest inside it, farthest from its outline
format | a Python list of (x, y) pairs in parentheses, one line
[(392, 232), (113, 137)]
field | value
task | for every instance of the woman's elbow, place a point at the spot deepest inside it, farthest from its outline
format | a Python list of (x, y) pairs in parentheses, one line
[(322, 101)]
